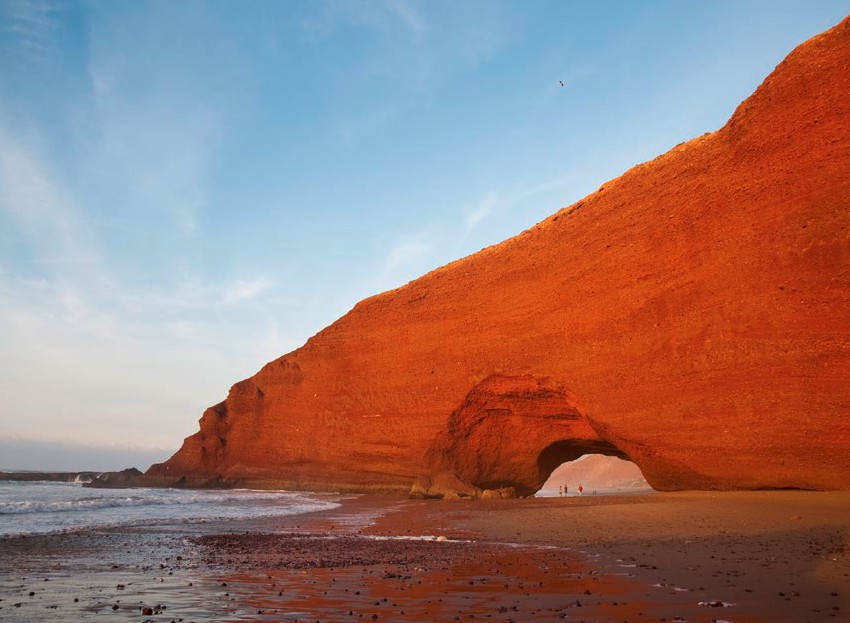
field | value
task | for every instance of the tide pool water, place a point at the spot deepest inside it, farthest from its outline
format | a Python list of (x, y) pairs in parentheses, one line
[(43, 507)]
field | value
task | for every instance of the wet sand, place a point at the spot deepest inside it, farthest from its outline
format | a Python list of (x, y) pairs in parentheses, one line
[(776, 556)]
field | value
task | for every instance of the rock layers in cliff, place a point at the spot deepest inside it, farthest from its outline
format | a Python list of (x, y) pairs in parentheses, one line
[(691, 315)]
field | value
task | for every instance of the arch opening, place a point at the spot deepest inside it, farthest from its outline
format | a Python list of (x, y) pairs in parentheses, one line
[(599, 468)]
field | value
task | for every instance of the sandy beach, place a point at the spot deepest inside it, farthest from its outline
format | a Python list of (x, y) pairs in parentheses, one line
[(777, 555), (700, 557)]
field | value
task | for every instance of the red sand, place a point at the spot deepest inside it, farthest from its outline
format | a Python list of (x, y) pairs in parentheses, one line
[(777, 556)]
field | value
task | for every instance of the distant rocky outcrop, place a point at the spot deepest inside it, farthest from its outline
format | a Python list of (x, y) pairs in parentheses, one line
[(129, 477), (692, 315), (31, 476)]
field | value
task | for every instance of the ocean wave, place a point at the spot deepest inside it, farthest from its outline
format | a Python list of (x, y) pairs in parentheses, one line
[(40, 508), (163, 498)]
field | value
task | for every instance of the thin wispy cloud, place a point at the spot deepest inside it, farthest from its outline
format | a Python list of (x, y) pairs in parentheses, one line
[(148, 139), (355, 128), (26, 192), (518, 208), (245, 289), (406, 252), (83, 340), (407, 13), (42, 210), (96, 354), (401, 259), (481, 211), (31, 24), (406, 51), (384, 16), (149, 159)]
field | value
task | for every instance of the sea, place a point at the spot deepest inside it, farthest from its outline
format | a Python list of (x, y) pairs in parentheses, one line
[(53, 507)]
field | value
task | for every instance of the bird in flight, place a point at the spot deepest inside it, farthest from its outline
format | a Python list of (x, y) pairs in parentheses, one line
[(562, 82)]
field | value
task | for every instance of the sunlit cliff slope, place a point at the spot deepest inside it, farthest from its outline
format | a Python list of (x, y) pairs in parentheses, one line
[(692, 315)]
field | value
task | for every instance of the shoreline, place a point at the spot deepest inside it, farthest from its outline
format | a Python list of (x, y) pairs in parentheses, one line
[(775, 555)]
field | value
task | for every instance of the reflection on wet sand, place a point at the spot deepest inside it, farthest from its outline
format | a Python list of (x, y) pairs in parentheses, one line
[(421, 580)]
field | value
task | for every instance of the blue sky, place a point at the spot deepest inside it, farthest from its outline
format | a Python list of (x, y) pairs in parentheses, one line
[(191, 189)]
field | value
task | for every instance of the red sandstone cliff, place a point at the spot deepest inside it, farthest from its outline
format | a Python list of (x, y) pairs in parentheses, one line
[(691, 315)]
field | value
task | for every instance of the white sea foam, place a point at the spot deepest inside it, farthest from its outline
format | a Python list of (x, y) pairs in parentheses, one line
[(148, 497), (41, 507), (424, 537)]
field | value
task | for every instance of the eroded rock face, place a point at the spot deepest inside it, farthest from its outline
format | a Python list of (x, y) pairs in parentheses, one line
[(691, 315), (513, 431)]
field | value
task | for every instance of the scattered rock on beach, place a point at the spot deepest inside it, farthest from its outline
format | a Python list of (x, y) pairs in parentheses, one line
[(505, 493)]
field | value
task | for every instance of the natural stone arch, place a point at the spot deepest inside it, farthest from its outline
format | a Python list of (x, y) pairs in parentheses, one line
[(512, 431)]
